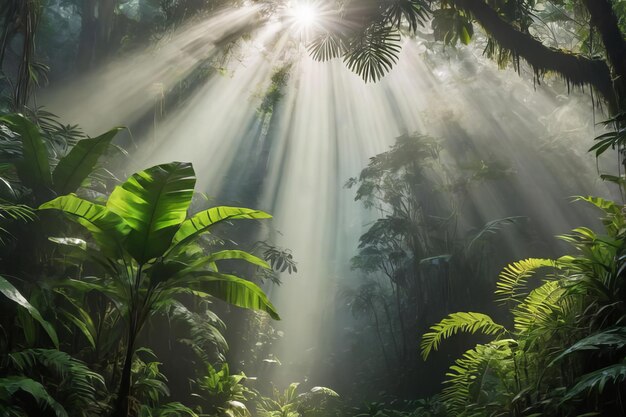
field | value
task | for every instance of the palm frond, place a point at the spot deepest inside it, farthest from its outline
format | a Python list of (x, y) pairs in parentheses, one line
[(413, 12), (491, 228), (372, 54), (327, 46)]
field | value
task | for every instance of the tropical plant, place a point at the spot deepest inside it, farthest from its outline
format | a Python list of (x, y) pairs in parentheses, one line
[(413, 252), (144, 247), (31, 159), (564, 353), (318, 401), (54, 379), (224, 393)]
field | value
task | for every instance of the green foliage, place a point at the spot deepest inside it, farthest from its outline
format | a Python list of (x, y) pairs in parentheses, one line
[(224, 392), (318, 401), (64, 384), (73, 169), (9, 386), (455, 322), (565, 352), (597, 380), (147, 256), (451, 26), (77, 384), (34, 161), (10, 292), (511, 285), (373, 53)]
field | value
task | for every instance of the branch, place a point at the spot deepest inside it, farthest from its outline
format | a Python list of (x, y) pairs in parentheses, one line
[(576, 69), (603, 18)]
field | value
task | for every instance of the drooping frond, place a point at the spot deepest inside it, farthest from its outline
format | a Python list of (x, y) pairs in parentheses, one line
[(540, 310), (79, 383), (614, 338), (511, 285), (326, 47), (597, 380), (373, 54), (489, 229), (458, 322), (413, 12)]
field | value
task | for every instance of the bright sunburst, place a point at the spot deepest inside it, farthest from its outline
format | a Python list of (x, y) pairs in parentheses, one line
[(304, 14)]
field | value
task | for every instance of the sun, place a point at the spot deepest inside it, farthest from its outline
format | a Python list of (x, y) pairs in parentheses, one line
[(304, 15)]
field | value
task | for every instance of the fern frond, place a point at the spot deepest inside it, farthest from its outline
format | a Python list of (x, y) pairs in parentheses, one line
[(540, 310), (466, 322), (466, 376), (511, 285)]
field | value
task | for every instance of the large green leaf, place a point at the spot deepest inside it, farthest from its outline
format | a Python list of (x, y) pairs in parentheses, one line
[(237, 254), (34, 169), (106, 227), (9, 291), (203, 220), (80, 162), (232, 289), (154, 203)]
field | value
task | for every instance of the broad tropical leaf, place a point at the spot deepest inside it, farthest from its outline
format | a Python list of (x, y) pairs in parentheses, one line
[(203, 220), (234, 290), (466, 322), (73, 168), (106, 227), (238, 254), (34, 169), (10, 292), (154, 203)]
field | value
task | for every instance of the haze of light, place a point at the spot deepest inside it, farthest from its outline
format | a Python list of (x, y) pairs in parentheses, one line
[(325, 127)]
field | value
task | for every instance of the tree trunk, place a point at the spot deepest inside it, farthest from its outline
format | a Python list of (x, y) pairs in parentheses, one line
[(87, 38), (97, 18), (122, 406), (603, 18)]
